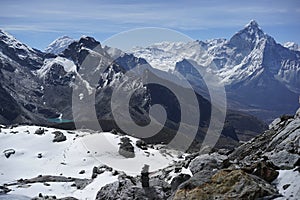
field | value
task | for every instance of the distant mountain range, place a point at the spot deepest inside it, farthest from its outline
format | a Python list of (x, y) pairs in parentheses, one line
[(38, 87), (261, 76)]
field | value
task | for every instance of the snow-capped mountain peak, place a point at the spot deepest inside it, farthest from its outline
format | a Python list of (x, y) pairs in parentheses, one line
[(252, 23), (59, 45), (250, 35), (292, 46), (253, 28)]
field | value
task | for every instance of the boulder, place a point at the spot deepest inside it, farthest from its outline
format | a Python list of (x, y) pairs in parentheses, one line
[(284, 160), (197, 179), (161, 185), (145, 176), (128, 189), (176, 181), (51, 197), (100, 170), (126, 149), (141, 144), (9, 152), (59, 136), (4, 190), (39, 131), (227, 184), (207, 162), (114, 190), (265, 170)]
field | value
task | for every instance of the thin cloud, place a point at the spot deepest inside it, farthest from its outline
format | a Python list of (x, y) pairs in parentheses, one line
[(28, 28), (116, 16), (185, 17)]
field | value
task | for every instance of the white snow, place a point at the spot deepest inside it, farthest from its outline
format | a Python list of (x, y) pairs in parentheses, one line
[(24, 51), (292, 46), (183, 171), (106, 147), (59, 45), (114, 52), (291, 178), (82, 150), (81, 96), (14, 43), (68, 65)]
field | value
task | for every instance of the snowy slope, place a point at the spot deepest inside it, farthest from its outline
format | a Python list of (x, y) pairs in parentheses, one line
[(59, 45), (16, 51), (288, 184), (82, 150), (67, 64), (15, 44)]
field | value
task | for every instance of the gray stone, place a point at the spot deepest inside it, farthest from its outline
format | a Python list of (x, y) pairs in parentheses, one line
[(39, 131), (126, 149), (265, 170), (207, 162), (176, 181), (284, 160), (9, 152), (59, 136), (141, 144), (4, 190), (226, 184), (145, 176)]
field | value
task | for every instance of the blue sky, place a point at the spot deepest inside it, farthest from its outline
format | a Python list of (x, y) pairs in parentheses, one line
[(37, 22)]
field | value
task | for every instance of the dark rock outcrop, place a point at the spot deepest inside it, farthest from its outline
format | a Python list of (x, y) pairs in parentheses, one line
[(279, 144), (129, 188), (52, 197), (226, 184), (9, 152), (176, 181), (141, 144), (265, 170), (4, 190), (145, 176), (207, 162), (39, 131), (126, 149), (59, 137)]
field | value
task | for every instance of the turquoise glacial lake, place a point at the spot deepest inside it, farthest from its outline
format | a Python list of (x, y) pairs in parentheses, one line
[(58, 120)]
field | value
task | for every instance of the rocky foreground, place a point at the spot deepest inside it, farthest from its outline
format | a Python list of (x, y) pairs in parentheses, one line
[(32, 164), (267, 167)]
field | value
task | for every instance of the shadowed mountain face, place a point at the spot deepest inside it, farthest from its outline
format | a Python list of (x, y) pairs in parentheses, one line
[(37, 86)]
